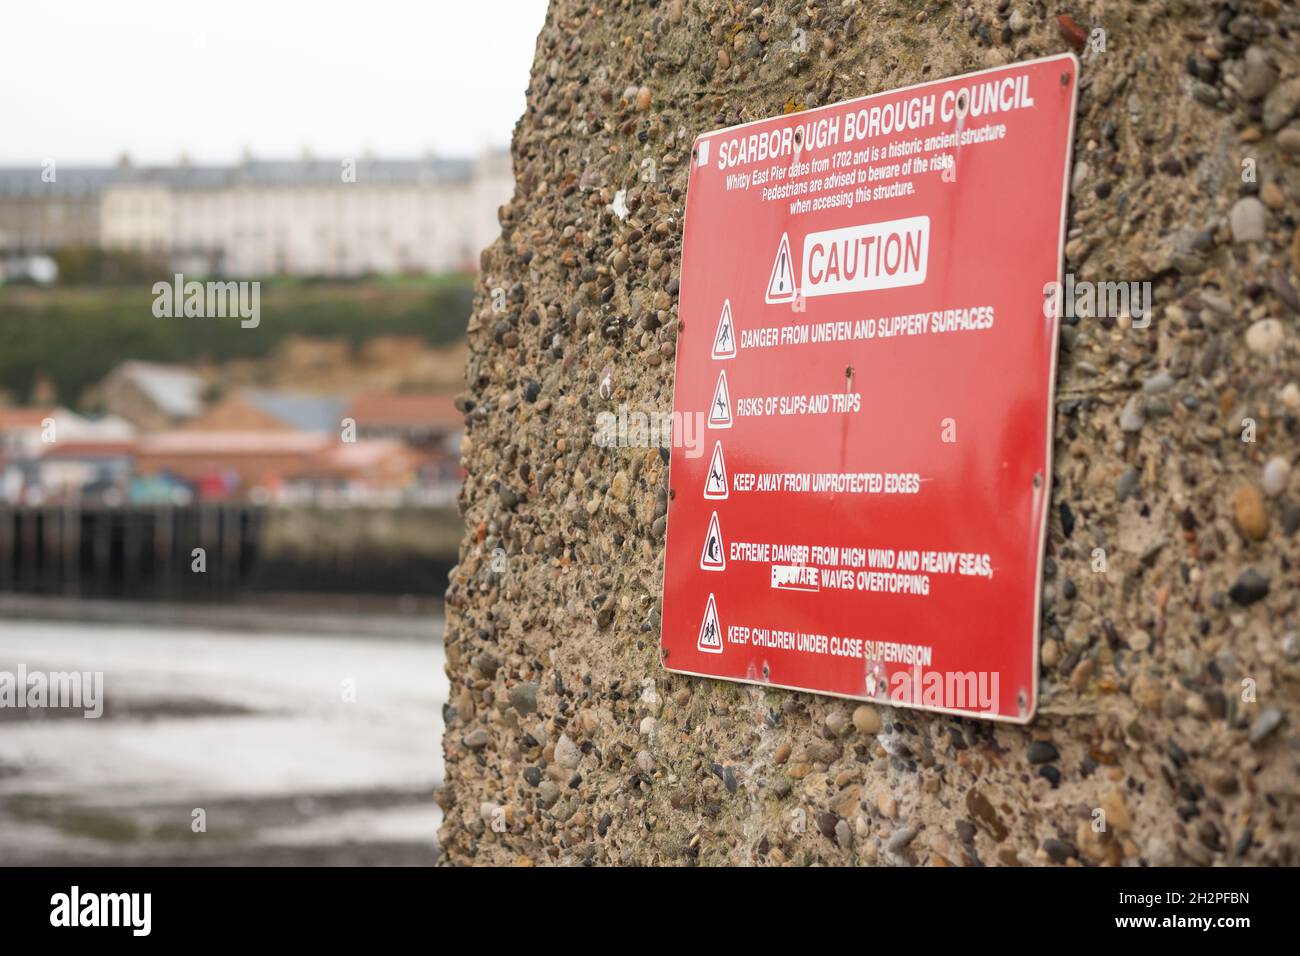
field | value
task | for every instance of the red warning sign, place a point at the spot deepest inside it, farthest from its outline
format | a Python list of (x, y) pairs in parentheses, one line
[(866, 345)]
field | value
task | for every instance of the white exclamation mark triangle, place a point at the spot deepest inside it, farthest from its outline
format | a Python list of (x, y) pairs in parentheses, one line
[(780, 287)]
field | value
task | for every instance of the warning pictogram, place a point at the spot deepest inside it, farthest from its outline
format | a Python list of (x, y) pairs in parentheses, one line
[(713, 557), (781, 285), (710, 639), (724, 340), (720, 410), (715, 481)]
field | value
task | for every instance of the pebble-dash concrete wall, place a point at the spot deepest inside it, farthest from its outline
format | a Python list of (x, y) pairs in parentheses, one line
[(1170, 680)]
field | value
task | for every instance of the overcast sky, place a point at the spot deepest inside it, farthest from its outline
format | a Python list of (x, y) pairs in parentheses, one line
[(82, 81)]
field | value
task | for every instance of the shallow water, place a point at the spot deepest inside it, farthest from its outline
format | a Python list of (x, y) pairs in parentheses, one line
[(296, 748)]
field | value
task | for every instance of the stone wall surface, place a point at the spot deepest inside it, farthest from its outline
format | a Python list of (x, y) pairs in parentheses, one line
[(1170, 680)]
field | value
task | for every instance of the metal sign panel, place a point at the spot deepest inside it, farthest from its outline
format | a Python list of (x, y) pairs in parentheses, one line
[(866, 349)]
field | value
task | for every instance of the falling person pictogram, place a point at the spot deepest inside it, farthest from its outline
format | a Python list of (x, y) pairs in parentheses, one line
[(715, 482)]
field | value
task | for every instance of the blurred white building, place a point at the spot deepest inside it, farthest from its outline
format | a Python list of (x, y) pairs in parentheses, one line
[(304, 217)]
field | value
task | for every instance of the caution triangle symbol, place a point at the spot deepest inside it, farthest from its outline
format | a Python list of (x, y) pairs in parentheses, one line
[(713, 557), (781, 285), (710, 639), (720, 410), (724, 340), (715, 480)]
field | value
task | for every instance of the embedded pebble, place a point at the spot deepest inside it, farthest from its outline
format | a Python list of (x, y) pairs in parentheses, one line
[(1131, 418), (1250, 586), (1265, 336), (523, 698), (1260, 75), (826, 823), (1268, 721), (1128, 483), (1117, 816), (900, 838), (1277, 471), (1041, 751), (837, 723), (1051, 653), (1281, 104), (1249, 220), (567, 753), (866, 719), (1271, 195), (1250, 513), (844, 835), (549, 792), (1158, 383), (1058, 851)]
